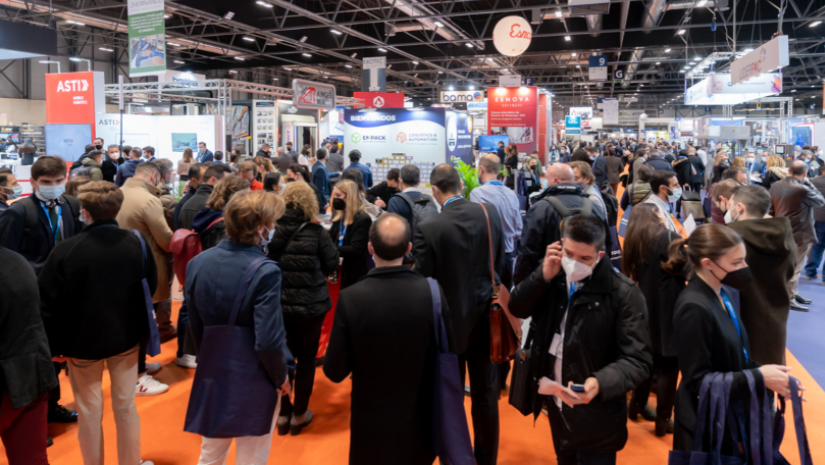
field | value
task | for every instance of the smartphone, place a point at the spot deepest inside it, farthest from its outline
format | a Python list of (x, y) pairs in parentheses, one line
[(577, 387)]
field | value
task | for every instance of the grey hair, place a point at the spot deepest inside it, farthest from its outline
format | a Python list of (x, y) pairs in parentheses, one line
[(164, 165)]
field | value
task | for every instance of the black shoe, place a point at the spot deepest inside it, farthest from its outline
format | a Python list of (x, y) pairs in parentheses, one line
[(319, 362), (49, 441), (798, 308), (801, 300), (633, 412), (59, 414), (295, 430), (283, 425), (664, 427)]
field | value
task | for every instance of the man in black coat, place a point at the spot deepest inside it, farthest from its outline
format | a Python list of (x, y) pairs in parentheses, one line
[(590, 329), (385, 189), (599, 165), (111, 163), (501, 154), (658, 162), (542, 226), (211, 176), (196, 172), (28, 375), (385, 341), (454, 248)]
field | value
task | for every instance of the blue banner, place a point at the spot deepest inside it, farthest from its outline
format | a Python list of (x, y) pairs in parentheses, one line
[(490, 143)]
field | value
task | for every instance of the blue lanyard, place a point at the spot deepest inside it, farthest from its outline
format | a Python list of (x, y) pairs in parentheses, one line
[(733, 317), (493, 183), (55, 230), (342, 234), (456, 197)]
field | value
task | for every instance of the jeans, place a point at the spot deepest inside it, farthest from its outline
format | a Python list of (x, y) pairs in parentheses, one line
[(302, 336), (817, 250)]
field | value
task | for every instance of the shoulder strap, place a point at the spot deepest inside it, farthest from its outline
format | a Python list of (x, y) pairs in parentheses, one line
[(288, 241), (245, 281), (564, 211), (407, 199), (438, 319), (490, 244), (213, 224), (587, 206), (142, 247)]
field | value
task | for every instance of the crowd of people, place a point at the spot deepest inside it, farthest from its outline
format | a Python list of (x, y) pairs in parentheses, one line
[(258, 242)]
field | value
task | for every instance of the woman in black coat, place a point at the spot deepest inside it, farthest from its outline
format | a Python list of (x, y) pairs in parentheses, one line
[(645, 248), (306, 255), (710, 337), (350, 232)]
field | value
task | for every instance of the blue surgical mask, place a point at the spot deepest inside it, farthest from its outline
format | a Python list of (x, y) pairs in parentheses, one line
[(16, 191), (266, 240), (593, 158), (200, 150), (52, 192), (676, 195)]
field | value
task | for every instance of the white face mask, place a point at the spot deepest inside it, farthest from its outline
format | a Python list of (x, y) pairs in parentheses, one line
[(729, 218), (575, 270)]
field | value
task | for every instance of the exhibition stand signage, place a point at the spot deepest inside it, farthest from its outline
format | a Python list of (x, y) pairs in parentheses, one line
[(513, 111), (509, 81), (461, 96), (512, 36), (75, 98), (488, 144), (313, 95), (582, 112), (768, 57), (718, 89), (611, 111), (597, 67), (147, 42), (381, 99), (374, 74), (573, 125)]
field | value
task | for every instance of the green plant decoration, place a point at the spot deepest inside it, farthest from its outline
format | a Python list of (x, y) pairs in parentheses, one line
[(468, 175)]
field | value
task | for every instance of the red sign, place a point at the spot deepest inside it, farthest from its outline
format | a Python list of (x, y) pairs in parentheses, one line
[(514, 111), (74, 98), (542, 128), (381, 99)]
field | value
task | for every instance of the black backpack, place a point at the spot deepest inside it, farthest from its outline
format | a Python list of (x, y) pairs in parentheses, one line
[(32, 219), (586, 208), (422, 209)]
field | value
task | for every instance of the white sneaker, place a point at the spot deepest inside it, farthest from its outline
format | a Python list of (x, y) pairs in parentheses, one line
[(187, 361), (147, 462), (148, 386), (153, 368)]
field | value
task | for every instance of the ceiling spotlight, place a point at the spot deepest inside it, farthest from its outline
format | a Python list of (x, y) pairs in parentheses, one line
[(173, 43), (80, 59), (469, 45), (264, 4), (105, 49), (558, 14), (748, 50), (702, 3), (578, 66), (681, 71), (567, 38), (793, 90), (472, 87), (692, 63), (287, 68), (77, 23), (326, 77), (232, 71), (353, 55), (680, 31), (415, 62), (815, 23), (658, 63), (336, 31), (667, 50), (441, 72), (308, 55), (240, 58), (451, 88), (248, 39), (380, 49), (347, 66), (229, 15), (574, 54), (167, 16), (180, 62), (686, 67), (274, 79), (438, 24)]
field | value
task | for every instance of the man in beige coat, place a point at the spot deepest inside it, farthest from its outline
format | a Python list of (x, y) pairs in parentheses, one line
[(142, 210)]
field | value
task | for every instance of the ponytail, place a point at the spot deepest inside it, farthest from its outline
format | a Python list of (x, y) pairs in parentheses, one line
[(707, 241), (678, 263)]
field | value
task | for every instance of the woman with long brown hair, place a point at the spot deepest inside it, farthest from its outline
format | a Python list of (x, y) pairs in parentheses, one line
[(646, 246), (350, 231), (183, 171), (706, 323)]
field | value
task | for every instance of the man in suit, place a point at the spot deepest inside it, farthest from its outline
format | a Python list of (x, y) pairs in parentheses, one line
[(598, 164), (196, 172), (34, 225), (148, 153), (658, 162), (388, 425), (320, 176), (335, 164), (453, 247), (501, 154), (355, 164), (204, 155)]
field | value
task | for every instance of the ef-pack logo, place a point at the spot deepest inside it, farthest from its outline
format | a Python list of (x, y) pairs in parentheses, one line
[(401, 137), (73, 85), (355, 138)]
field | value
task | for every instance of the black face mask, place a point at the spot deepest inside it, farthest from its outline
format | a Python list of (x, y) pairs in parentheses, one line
[(339, 204), (98, 147), (737, 279)]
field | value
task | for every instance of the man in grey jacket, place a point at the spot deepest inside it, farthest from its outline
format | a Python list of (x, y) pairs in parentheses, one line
[(335, 164)]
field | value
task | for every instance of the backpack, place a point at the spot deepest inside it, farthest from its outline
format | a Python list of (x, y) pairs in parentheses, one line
[(32, 219), (422, 209), (186, 245), (567, 212), (82, 171)]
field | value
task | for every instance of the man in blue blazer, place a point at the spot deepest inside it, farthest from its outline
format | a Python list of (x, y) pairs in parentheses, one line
[(204, 155), (320, 176)]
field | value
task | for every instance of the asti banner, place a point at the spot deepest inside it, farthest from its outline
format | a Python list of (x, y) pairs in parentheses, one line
[(147, 37), (513, 111), (381, 99), (75, 98)]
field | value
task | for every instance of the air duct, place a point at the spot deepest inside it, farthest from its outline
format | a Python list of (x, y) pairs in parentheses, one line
[(652, 17)]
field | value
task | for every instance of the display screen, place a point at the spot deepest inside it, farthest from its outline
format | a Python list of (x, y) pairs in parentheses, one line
[(68, 141), (183, 141), (490, 143), (780, 150)]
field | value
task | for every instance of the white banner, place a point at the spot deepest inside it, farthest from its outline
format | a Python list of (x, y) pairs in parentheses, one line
[(768, 57), (509, 81), (611, 112)]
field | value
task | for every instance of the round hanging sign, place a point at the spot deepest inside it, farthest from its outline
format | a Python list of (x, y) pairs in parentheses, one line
[(512, 35)]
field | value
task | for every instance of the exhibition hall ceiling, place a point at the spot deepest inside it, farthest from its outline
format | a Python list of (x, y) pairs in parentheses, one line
[(431, 45)]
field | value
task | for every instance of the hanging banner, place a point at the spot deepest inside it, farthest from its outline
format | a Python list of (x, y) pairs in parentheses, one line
[(513, 112), (510, 81), (573, 125), (597, 67), (381, 99), (312, 95), (374, 74), (611, 111), (147, 42), (582, 112), (512, 36), (767, 58), (459, 96)]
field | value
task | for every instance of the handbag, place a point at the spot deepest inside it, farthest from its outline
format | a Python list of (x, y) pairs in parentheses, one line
[(690, 195), (522, 386), (232, 394), (451, 435), (799, 426), (153, 346), (692, 205), (503, 339)]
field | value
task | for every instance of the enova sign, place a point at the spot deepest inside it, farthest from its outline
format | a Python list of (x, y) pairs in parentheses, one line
[(461, 96)]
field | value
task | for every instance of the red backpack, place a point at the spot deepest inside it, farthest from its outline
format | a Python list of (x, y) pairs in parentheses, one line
[(186, 245)]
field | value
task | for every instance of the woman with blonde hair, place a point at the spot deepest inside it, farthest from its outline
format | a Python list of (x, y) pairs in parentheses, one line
[(209, 221), (233, 292), (264, 167), (350, 232), (775, 171), (306, 254), (720, 164), (183, 171)]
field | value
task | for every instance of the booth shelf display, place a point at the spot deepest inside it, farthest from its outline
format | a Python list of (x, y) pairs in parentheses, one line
[(383, 166)]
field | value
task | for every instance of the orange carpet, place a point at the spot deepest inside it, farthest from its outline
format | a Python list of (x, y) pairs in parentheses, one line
[(326, 441)]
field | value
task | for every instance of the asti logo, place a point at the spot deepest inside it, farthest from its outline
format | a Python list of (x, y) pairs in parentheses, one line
[(73, 85), (401, 137), (108, 122), (355, 138)]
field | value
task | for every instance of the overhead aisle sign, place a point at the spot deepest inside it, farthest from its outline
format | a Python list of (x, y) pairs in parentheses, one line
[(769, 57), (573, 125), (598, 67), (374, 75), (147, 37)]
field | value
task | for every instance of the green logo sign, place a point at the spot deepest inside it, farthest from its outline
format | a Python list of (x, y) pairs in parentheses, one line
[(355, 138)]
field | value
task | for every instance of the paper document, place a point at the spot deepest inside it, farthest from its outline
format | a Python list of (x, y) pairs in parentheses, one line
[(689, 224)]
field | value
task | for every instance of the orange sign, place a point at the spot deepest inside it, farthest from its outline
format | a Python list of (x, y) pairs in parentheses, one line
[(74, 98)]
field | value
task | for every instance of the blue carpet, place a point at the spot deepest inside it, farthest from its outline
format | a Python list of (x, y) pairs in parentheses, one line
[(806, 331)]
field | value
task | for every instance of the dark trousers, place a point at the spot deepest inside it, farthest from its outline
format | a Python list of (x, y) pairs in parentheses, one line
[(302, 336), (24, 431), (54, 394), (507, 281), (666, 370), (568, 456), (484, 393), (185, 344)]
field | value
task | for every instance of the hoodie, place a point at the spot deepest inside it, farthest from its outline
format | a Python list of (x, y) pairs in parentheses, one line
[(126, 171), (771, 253)]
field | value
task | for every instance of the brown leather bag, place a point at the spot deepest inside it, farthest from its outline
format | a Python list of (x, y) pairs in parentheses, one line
[(503, 340)]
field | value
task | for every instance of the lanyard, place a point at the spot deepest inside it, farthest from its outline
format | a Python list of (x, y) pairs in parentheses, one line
[(55, 230), (493, 183), (342, 234), (456, 197), (732, 313)]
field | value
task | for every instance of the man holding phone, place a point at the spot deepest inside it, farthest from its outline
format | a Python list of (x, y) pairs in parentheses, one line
[(590, 343)]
